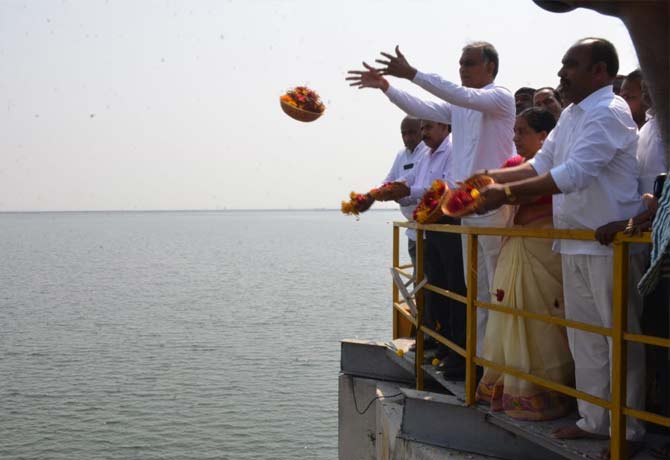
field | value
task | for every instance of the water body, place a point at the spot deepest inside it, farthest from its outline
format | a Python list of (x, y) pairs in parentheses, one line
[(183, 335)]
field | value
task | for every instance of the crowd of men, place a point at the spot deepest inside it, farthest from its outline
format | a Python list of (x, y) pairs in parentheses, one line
[(599, 163)]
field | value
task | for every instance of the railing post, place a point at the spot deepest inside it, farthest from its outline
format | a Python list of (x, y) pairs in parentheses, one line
[(471, 324), (618, 380), (418, 357), (396, 294)]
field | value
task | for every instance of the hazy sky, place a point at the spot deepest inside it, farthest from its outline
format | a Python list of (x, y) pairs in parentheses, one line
[(174, 104)]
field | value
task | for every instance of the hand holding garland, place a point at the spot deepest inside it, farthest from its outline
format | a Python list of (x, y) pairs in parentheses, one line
[(513, 184), (361, 202)]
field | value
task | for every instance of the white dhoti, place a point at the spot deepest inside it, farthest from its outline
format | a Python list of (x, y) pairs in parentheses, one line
[(487, 258), (587, 288)]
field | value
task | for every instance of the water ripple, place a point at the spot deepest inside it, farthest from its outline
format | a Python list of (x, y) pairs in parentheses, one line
[(183, 335)]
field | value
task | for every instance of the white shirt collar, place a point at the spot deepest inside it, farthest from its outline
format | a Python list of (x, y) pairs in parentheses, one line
[(443, 146), (592, 99), (417, 149)]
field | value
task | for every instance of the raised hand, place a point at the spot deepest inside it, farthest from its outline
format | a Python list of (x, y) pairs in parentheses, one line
[(396, 66), (369, 78)]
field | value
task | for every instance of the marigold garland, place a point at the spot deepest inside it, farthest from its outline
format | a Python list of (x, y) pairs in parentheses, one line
[(462, 198), (463, 201), (426, 210), (358, 203), (361, 202)]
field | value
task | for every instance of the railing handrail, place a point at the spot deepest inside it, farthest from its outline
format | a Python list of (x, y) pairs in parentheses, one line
[(617, 332), (545, 233)]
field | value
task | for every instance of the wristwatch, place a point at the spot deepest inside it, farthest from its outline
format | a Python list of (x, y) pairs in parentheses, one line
[(509, 195)]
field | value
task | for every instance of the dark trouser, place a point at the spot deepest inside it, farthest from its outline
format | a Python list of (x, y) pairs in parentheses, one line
[(655, 319), (443, 266)]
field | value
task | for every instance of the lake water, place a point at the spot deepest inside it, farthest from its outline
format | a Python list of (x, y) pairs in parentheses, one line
[(183, 335)]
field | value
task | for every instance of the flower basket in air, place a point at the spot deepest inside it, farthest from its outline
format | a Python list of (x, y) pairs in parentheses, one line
[(302, 104)]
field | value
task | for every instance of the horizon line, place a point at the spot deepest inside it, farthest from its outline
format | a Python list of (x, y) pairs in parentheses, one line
[(56, 211)]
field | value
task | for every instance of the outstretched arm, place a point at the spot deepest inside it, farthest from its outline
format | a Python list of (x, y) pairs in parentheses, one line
[(495, 195), (372, 78), (498, 101), (505, 175), (396, 66), (369, 78)]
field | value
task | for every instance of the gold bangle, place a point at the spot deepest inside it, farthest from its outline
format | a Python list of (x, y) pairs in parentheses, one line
[(508, 194)]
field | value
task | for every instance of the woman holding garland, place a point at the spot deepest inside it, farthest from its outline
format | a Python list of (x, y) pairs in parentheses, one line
[(528, 276)]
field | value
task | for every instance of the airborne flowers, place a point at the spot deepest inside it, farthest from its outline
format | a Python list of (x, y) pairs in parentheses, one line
[(304, 98)]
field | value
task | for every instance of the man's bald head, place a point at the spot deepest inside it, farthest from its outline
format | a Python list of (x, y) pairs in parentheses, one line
[(602, 51), (587, 66), (410, 129)]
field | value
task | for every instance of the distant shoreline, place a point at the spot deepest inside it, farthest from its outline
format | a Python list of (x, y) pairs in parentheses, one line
[(111, 211)]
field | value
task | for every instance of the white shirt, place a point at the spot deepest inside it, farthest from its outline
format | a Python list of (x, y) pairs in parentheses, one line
[(590, 154), (482, 120), (436, 164), (406, 163), (650, 155)]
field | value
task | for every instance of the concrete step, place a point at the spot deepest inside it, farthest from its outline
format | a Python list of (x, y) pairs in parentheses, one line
[(432, 425), (394, 444), (538, 433)]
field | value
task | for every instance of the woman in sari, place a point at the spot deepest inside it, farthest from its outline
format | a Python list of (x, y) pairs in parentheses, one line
[(528, 277)]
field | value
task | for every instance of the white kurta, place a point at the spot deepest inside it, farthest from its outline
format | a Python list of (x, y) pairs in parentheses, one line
[(481, 119), (482, 122), (591, 157)]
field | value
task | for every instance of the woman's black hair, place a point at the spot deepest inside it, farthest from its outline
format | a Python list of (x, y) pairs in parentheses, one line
[(539, 119)]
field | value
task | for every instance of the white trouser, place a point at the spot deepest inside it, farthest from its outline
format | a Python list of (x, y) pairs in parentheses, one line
[(587, 288), (488, 249)]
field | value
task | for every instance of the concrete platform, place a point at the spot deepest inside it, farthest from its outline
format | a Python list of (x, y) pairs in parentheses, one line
[(377, 434), (436, 424), (540, 432)]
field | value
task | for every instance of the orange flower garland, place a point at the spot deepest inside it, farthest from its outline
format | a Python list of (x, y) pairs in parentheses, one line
[(463, 201), (428, 209), (462, 198), (358, 203), (361, 202)]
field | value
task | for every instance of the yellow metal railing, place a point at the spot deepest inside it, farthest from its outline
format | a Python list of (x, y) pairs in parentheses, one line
[(617, 333)]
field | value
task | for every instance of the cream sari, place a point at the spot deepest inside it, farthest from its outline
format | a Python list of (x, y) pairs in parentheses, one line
[(528, 276)]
